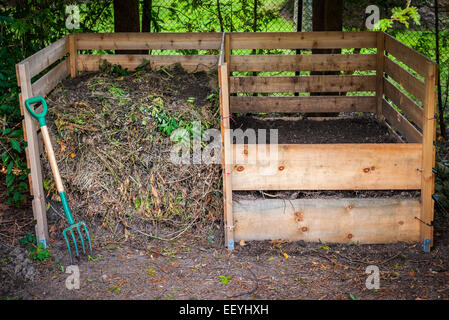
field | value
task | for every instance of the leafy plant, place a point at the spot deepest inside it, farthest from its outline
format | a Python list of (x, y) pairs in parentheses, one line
[(35, 251), (400, 15), (225, 279)]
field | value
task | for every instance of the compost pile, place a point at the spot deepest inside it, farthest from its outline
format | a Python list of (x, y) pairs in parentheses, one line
[(111, 134)]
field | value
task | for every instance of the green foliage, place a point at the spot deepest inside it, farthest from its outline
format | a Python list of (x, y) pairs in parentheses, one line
[(225, 279), (36, 251), (400, 15), (113, 69)]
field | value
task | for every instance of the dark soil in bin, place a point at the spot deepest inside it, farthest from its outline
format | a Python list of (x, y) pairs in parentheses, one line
[(345, 130)]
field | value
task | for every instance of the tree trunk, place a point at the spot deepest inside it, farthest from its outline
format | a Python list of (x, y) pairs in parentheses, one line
[(146, 15), (126, 19), (327, 16)]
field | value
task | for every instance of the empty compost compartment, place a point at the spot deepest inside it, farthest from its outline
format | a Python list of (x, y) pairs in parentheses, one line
[(362, 175)]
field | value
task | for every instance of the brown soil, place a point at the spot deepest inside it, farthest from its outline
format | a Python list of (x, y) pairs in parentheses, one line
[(350, 130)]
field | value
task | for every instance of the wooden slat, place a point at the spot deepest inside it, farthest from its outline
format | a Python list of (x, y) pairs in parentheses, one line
[(47, 56), (303, 104), (410, 83), (36, 186), (73, 55), (49, 81), (304, 62), (326, 83), (400, 123), (367, 221), (227, 153), (380, 72), (428, 156), (303, 40), (413, 111), (327, 167), (407, 55), (169, 41), (131, 62), (221, 59)]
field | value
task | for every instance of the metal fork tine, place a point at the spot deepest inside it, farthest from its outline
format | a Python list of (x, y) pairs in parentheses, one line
[(74, 242), (68, 245), (81, 238), (88, 237)]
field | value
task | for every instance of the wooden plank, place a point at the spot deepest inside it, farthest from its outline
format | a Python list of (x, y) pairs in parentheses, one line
[(407, 55), (428, 155), (131, 62), (319, 83), (226, 156), (137, 40), (304, 62), (412, 110), (303, 104), (38, 203), (400, 123), (50, 80), (367, 221), (380, 72), (327, 167), (73, 54), (303, 40), (47, 56), (410, 83)]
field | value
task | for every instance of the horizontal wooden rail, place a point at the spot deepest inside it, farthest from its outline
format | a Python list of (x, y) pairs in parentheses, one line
[(328, 167), (405, 79), (191, 63), (410, 108), (303, 104), (407, 55), (302, 84), (303, 40), (400, 123), (163, 41), (304, 62), (46, 57), (366, 221), (49, 81)]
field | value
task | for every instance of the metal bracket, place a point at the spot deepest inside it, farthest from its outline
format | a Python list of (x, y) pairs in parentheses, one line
[(44, 242), (426, 245)]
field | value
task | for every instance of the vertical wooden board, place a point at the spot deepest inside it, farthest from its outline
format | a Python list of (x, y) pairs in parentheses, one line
[(73, 55), (428, 156), (380, 72), (36, 185), (367, 221), (226, 156)]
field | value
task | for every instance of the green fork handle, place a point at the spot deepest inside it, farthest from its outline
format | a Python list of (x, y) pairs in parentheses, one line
[(40, 117)]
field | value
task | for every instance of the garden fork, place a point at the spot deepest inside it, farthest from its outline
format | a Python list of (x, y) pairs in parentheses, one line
[(40, 117)]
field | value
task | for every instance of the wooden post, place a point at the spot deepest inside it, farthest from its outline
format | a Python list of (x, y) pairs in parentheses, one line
[(227, 49), (380, 72), (226, 156), (32, 151), (73, 55), (428, 156)]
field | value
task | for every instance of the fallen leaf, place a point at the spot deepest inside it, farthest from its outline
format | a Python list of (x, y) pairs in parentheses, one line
[(242, 243), (285, 255)]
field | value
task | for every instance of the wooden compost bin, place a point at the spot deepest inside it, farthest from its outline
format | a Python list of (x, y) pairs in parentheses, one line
[(402, 166), (405, 166)]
